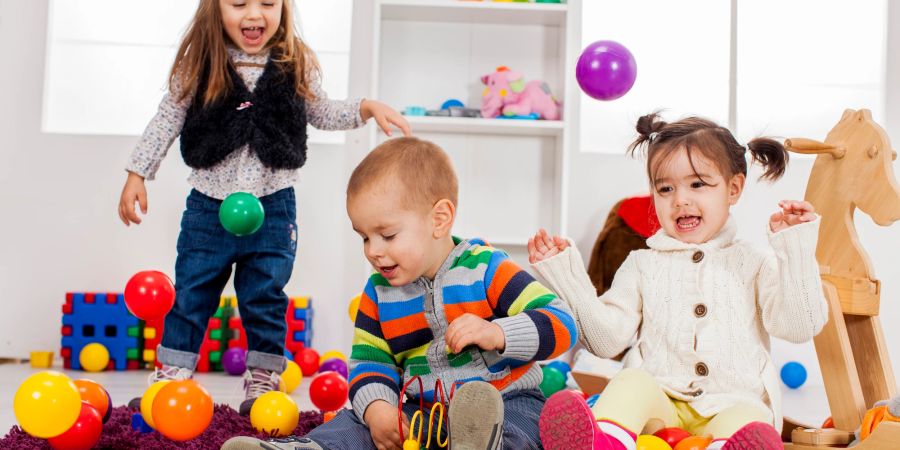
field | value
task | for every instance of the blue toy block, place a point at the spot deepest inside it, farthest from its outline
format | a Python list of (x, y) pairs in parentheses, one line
[(101, 318)]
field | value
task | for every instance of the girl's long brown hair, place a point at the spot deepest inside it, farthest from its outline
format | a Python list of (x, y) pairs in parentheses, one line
[(203, 46)]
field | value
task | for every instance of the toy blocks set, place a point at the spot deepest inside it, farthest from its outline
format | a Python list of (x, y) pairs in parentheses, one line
[(104, 319)]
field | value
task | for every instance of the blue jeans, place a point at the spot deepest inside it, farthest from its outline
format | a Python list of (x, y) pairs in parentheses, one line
[(521, 412), (263, 262)]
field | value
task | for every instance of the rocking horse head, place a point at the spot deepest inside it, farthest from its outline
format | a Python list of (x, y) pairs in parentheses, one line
[(854, 169)]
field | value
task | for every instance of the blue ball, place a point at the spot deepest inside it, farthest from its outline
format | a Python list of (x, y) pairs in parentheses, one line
[(560, 366), (793, 374), (288, 355), (452, 103), (592, 400)]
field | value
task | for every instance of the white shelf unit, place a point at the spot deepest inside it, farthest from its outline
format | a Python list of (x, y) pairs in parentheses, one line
[(422, 52)]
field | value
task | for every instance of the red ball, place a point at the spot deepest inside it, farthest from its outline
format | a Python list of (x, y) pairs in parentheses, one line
[(328, 391), (84, 435), (672, 435), (308, 360), (149, 294), (182, 410)]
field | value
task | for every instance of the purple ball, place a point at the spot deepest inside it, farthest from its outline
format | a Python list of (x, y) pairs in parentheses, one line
[(234, 361), (606, 70), (335, 364)]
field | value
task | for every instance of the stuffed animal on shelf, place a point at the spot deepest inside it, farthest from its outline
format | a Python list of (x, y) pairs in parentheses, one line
[(506, 93)]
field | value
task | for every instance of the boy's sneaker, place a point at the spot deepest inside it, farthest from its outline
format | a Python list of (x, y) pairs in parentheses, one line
[(257, 382), (567, 423), (165, 373), (288, 443), (754, 436), (476, 417)]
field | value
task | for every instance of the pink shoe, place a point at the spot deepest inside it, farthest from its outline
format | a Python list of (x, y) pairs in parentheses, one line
[(755, 436), (567, 423)]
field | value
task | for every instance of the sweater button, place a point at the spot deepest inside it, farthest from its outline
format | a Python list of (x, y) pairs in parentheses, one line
[(701, 369), (700, 310), (698, 256)]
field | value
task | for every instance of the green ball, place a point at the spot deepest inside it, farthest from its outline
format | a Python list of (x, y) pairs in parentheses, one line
[(553, 381), (241, 214)]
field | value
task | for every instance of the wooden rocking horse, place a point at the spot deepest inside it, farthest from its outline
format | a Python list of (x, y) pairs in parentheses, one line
[(853, 169)]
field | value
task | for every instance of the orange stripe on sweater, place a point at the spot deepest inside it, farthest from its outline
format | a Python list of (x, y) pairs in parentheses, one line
[(370, 374), (404, 325), (505, 271), (479, 307), (560, 333)]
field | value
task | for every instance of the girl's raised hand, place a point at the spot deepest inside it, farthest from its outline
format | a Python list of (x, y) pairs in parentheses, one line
[(792, 212), (384, 116), (542, 246)]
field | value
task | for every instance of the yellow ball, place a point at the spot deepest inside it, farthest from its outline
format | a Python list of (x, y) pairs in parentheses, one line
[(94, 357), (147, 401), (331, 354), (291, 377), (47, 404), (410, 444), (274, 413), (651, 442), (354, 306)]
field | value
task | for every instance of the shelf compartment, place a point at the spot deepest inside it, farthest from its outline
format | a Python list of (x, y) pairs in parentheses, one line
[(548, 14)]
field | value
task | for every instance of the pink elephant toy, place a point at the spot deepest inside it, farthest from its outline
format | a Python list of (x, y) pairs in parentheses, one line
[(507, 93)]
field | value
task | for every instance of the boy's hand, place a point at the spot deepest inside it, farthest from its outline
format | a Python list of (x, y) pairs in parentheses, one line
[(381, 417), (542, 246), (469, 329), (792, 212), (384, 116), (134, 191)]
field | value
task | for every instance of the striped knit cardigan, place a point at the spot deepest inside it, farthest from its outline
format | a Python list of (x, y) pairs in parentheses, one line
[(400, 330)]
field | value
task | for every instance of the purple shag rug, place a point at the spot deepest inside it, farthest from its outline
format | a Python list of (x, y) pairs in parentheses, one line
[(118, 434)]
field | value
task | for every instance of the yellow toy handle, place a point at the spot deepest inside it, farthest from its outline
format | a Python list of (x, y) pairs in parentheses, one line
[(440, 423), (413, 444)]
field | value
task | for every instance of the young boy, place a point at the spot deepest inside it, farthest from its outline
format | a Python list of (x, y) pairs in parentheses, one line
[(441, 308)]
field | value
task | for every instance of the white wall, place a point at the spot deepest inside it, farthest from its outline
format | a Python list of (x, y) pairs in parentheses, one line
[(60, 231), (59, 194)]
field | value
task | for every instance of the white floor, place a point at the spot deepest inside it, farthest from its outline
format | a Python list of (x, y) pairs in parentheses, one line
[(123, 386), (807, 405)]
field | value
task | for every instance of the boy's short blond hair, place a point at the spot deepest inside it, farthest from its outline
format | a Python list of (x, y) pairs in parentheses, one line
[(423, 168)]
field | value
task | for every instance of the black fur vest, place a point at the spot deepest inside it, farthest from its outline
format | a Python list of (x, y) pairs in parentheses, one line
[(271, 119)]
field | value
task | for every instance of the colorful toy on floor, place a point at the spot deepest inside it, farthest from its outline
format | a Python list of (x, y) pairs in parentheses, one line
[(84, 434), (100, 318), (328, 391), (147, 401), (241, 214), (291, 377), (138, 424), (693, 443), (506, 93), (149, 294), (299, 318), (606, 70), (335, 365), (274, 413), (331, 354), (94, 357), (95, 395), (793, 374), (561, 366), (308, 360), (41, 360), (234, 361), (553, 381), (182, 410), (887, 411), (47, 404), (651, 442), (672, 435)]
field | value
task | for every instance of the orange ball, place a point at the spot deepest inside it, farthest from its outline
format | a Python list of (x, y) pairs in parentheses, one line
[(694, 443), (94, 394), (182, 410)]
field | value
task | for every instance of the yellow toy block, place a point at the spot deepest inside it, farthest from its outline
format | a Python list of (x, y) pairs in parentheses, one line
[(41, 360), (149, 355), (149, 333), (300, 302)]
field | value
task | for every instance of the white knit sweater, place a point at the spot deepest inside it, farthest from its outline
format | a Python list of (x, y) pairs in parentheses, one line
[(703, 313)]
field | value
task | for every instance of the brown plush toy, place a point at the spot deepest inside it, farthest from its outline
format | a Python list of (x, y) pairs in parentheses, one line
[(630, 222)]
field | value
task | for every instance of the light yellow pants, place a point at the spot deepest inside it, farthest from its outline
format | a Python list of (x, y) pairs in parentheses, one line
[(633, 397)]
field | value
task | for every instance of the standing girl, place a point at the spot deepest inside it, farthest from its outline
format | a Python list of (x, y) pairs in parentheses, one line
[(702, 304), (241, 92)]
